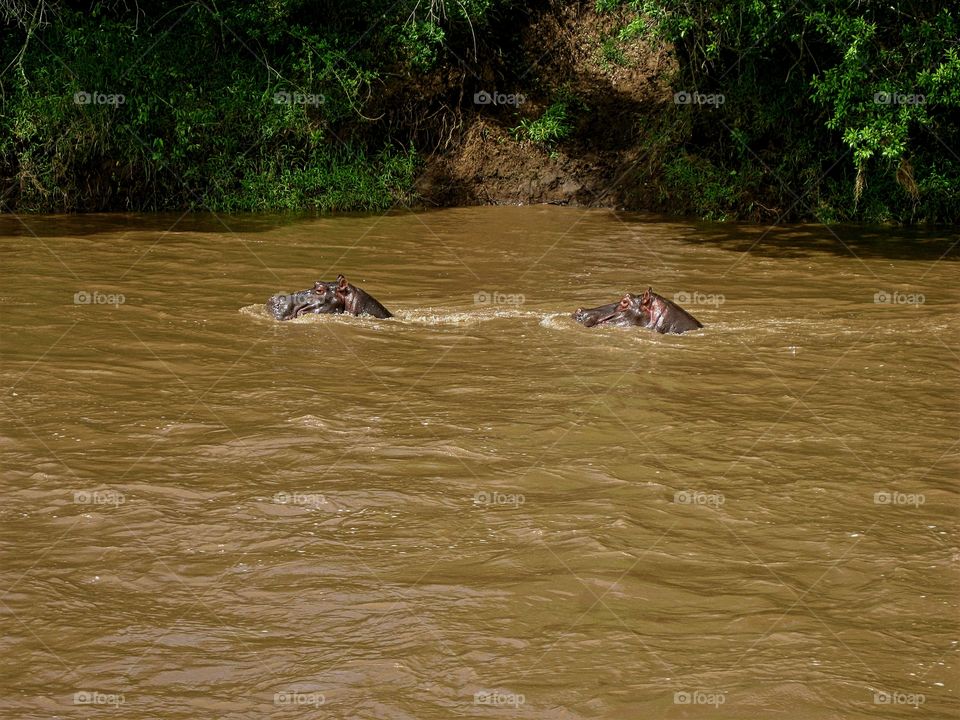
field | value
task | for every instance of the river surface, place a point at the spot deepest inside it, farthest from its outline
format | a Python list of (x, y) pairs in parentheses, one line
[(478, 508)]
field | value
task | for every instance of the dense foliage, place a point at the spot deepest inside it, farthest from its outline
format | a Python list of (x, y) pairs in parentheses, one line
[(830, 109), (243, 106)]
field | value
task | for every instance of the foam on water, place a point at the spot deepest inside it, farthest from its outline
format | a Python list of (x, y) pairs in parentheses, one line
[(425, 316)]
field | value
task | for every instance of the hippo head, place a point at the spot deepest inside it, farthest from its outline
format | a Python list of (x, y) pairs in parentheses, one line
[(629, 311), (595, 316), (334, 298), (322, 298), (648, 310)]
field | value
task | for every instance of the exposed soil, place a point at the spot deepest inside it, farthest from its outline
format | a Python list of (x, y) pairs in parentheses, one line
[(610, 159)]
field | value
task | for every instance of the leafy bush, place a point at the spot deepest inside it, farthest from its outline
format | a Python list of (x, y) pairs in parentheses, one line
[(824, 95), (551, 127), (273, 118)]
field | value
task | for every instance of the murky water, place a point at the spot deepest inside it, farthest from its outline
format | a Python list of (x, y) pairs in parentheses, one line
[(478, 508)]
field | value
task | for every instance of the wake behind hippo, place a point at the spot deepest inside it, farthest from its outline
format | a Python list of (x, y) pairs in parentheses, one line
[(336, 298), (648, 310)]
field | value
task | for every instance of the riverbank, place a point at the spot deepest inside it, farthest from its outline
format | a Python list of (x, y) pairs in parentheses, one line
[(726, 115)]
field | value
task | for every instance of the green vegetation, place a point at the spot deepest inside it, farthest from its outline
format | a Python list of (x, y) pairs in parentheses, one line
[(694, 183), (251, 106), (554, 125), (830, 110), (611, 53), (833, 110)]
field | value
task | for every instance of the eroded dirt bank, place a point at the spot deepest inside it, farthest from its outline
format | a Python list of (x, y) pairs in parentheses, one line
[(619, 109)]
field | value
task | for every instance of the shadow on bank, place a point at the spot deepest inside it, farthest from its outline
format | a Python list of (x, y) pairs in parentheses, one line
[(928, 244)]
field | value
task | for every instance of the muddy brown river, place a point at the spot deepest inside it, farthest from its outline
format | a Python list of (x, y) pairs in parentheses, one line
[(477, 508)]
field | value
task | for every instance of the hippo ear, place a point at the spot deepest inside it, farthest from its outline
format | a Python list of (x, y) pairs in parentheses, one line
[(341, 283)]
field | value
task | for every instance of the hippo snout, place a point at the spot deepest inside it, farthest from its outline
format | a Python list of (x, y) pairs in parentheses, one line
[(280, 306), (585, 317)]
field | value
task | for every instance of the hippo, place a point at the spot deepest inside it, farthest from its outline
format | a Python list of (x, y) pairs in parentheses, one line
[(336, 298), (648, 310)]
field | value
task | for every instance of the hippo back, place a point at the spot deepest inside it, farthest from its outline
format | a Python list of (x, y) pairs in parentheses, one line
[(665, 316), (357, 302)]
